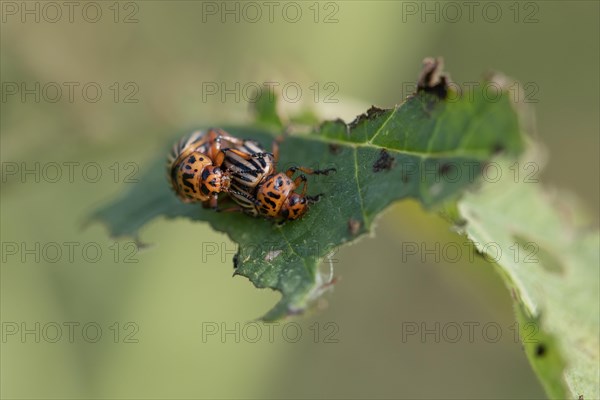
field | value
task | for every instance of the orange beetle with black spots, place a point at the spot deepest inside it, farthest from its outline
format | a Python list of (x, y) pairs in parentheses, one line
[(205, 164), (195, 165), (275, 196)]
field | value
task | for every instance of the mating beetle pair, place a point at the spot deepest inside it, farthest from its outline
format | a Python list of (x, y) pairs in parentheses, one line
[(204, 164)]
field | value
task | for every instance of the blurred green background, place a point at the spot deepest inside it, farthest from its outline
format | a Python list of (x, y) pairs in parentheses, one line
[(172, 295)]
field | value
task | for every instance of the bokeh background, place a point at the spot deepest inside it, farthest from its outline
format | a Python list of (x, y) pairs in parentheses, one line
[(154, 314)]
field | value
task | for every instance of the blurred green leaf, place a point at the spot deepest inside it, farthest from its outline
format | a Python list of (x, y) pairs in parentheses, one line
[(429, 148), (543, 353), (550, 263)]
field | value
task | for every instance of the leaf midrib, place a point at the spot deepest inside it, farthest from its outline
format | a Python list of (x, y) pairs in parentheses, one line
[(479, 154)]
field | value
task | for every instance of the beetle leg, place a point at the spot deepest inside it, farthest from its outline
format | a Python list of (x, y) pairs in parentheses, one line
[(247, 156), (290, 172), (210, 136), (222, 135), (211, 203), (253, 200), (219, 159), (301, 180), (215, 136)]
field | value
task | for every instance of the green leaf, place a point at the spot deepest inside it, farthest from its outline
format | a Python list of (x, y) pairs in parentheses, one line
[(550, 263), (429, 148), (543, 353)]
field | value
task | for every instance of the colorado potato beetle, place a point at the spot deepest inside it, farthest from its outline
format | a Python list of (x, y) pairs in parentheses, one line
[(260, 191), (195, 163), (277, 197)]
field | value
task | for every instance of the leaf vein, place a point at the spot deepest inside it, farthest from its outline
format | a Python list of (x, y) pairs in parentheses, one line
[(370, 141), (360, 196)]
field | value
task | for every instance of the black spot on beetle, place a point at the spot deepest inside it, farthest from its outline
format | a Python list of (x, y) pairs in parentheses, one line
[(278, 182), (186, 180), (274, 195), (192, 159), (384, 162), (269, 202), (540, 350)]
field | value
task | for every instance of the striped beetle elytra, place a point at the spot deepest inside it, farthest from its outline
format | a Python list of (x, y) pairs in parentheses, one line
[(204, 164)]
